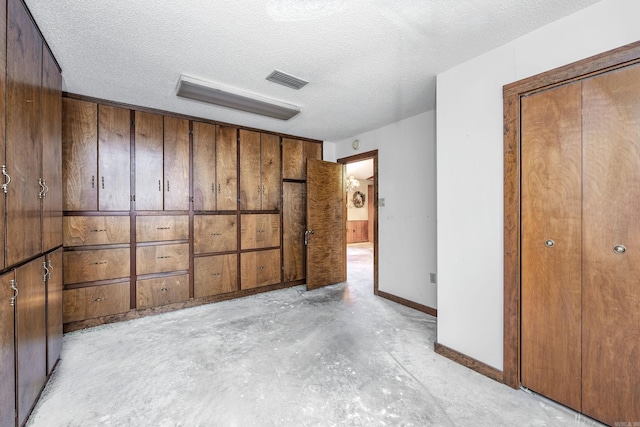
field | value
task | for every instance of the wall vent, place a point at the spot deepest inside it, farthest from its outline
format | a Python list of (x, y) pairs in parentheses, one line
[(286, 80)]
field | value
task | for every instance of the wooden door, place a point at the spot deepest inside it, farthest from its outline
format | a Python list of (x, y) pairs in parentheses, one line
[(23, 134), (611, 293), (54, 308), (250, 185), (312, 150), (7, 356), (3, 91), (31, 336), (551, 212), (114, 147), (149, 161), (270, 171), (79, 155), (292, 159), (226, 162), (326, 218), (293, 223), (51, 152), (176, 164), (205, 187)]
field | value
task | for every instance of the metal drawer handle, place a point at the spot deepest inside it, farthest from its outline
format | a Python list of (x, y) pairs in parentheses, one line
[(12, 301), (98, 300), (98, 230), (41, 193), (159, 185), (164, 228), (165, 289), (98, 263), (164, 257), (218, 188), (550, 243), (619, 249), (216, 274), (93, 181), (6, 175), (216, 234), (261, 267)]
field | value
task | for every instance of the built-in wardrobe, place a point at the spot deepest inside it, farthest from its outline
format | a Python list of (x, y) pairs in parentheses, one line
[(579, 240), (30, 213)]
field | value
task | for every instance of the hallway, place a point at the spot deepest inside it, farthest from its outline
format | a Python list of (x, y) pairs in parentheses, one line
[(334, 356)]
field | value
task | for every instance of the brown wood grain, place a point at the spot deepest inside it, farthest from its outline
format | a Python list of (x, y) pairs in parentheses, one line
[(95, 230), (162, 258), (215, 275), (162, 227), (79, 155), (408, 303), (551, 276), (357, 231), (7, 356), (259, 231), (162, 291), (31, 336), (250, 169), (214, 233), (312, 150), (3, 93), (611, 293), (293, 224), (149, 156), (114, 160), (54, 309), (271, 172), (95, 301), (469, 362), (91, 265), (292, 159), (51, 152), (176, 164), (260, 268), (205, 186), (227, 168), (23, 135), (326, 216)]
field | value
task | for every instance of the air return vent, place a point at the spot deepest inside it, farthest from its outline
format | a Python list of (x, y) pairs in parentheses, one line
[(286, 80)]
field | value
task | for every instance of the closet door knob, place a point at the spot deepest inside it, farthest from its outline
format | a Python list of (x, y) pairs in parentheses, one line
[(550, 243), (619, 249)]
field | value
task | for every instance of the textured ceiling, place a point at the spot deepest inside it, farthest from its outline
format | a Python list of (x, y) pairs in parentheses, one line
[(369, 62)]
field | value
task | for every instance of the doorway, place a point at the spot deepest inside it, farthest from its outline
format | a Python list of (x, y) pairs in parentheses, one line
[(361, 177)]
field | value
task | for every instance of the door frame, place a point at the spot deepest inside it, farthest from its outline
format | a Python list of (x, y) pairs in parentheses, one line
[(512, 96), (373, 154)]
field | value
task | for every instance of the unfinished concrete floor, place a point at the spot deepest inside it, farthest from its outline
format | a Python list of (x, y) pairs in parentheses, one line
[(337, 356)]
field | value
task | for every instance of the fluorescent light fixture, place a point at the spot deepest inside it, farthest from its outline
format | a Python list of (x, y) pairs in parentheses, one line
[(225, 96)]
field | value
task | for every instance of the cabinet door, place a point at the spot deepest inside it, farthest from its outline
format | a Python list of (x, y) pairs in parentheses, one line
[(93, 265), (293, 231), (215, 275), (227, 168), (161, 228), (260, 268), (270, 172), (162, 291), (176, 164), (312, 151), (79, 155), (3, 87), (205, 186), (162, 258), (95, 301), (214, 233), (52, 153), (250, 186), (23, 134), (96, 230), (54, 308), (260, 231), (114, 148), (292, 159), (31, 335), (7, 356), (148, 164)]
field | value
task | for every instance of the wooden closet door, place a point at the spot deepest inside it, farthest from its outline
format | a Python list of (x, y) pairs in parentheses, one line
[(23, 134), (293, 219), (149, 158), (611, 289), (176, 164), (114, 148), (250, 185), (3, 91), (7, 356), (271, 170), (227, 168), (551, 243), (205, 187)]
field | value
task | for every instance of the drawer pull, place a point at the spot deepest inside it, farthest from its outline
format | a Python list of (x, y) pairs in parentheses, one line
[(213, 187), (98, 263), (159, 185), (164, 228), (216, 234), (261, 267), (164, 257), (98, 300), (98, 230), (260, 231), (165, 289), (218, 188), (216, 274)]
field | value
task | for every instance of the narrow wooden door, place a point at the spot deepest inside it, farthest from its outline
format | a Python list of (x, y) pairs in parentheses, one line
[(293, 165), (149, 161), (176, 164), (551, 244), (205, 187), (51, 152), (23, 134), (611, 289), (54, 308), (270, 171), (114, 148), (3, 91), (250, 185), (31, 335), (293, 221), (227, 168), (326, 224), (7, 356), (79, 155)]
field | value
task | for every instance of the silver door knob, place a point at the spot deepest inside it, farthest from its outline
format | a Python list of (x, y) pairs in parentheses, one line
[(549, 243), (619, 249)]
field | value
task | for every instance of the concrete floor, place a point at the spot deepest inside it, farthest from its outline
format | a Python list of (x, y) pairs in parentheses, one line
[(337, 356)]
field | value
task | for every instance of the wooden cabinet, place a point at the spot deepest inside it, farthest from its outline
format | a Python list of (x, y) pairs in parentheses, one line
[(357, 231), (149, 161), (162, 228), (96, 230), (215, 275), (114, 158), (94, 265), (259, 171), (162, 258), (162, 291), (260, 268), (259, 231), (215, 188), (95, 301), (54, 308), (7, 355), (293, 228), (176, 164), (295, 153), (215, 233)]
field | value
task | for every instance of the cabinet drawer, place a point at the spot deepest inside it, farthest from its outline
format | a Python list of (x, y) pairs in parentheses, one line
[(162, 291), (260, 231), (214, 233), (95, 301), (158, 228), (96, 230), (162, 258), (215, 275), (90, 266), (260, 268)]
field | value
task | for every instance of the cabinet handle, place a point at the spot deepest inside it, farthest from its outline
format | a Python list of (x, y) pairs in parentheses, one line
[(213, 187), (164, 257), (98, 263), (218, 188), (159, 185), (261, 267), (216, 234), (103, 182), (93, 181), (98, 230), (165, 289), (41, 193), (164, 228), (216, 274), (12, 301), (8, 178), (46, 189), (98, 300), (46, 271), (167, 186)]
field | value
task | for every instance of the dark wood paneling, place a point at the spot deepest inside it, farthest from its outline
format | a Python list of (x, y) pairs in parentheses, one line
[(293, 224), (7, 355), (95, 301), (270, 166), (215, 275), (114, 160), (176, 164), (162, 291), (469, 362), (227, 168), (250, 185), (149, 161), (54, 309), (205, 187)]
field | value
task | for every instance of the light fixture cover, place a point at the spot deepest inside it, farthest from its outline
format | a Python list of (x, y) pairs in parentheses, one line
[(226, 96)]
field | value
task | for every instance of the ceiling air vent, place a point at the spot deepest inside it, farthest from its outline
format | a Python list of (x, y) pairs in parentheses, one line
[(286, 80)]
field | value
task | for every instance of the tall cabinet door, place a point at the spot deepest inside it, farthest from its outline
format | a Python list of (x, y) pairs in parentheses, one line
[(54, 308), (7, 356), (250, 185), (227, 168), (23, 134), (149, 158), (205, 186), (114, 147), (270, 171), (3, 87), (52, 152), (611, 290), (176, 164), (293, 228)]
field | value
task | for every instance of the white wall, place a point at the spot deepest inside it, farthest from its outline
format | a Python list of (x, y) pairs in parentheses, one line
[(358, 214), (407, 222), (470, 196)]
